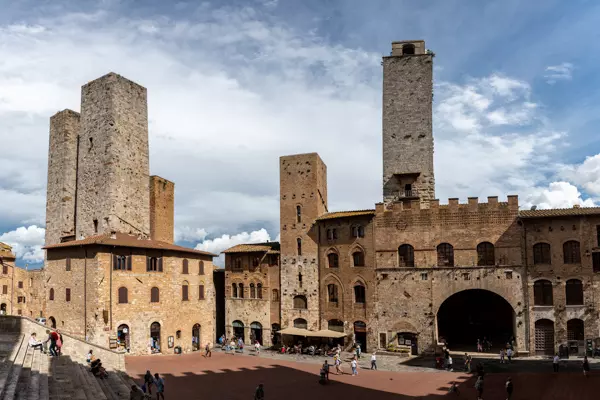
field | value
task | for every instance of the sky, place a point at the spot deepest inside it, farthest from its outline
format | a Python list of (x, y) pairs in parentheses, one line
[(234, 85)]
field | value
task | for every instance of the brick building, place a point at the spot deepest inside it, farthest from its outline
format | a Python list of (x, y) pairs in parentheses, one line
[(412, 272), (20, 292)]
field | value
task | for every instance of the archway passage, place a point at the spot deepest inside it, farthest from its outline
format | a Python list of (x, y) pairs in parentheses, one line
[(256, 331), (155, 336), (196, 337), (360, 335), (474, 314), (274, 336), (238, 329), (123, 336), (3, 309), (52, 322)]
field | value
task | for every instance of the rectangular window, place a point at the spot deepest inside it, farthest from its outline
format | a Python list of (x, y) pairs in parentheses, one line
[(4, 269), (596, 261), (154, 264), (424, 276), (68, 263), (184, 292), (121, 263), (20, 285), (68, 295), (4, 289), (20, 312), (201, 292)]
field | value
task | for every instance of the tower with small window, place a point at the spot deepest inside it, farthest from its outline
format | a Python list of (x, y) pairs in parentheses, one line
[(407, 123), (303, 198)]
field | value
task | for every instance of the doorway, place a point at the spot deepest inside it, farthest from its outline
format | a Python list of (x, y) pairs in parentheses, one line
[(274, 336), (155, 336), (52, 322), (256, 333), (123, 337), (544, 337), (196, 337), (3, 309), (360, 335), (238, 329)]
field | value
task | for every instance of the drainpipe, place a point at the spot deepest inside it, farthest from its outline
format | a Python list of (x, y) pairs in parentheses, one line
[(85, 294)]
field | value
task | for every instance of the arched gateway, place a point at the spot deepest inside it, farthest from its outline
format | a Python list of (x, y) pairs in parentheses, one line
[(475, 314)]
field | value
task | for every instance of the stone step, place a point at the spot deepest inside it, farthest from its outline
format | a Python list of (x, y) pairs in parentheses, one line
[(12, 380), (92, 382), (33, 387), (25, 376), (44, 393), (7, 360)]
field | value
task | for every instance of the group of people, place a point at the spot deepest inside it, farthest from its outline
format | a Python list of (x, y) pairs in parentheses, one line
[(96, 366), (54, 338), (585, 364), (145, 392)]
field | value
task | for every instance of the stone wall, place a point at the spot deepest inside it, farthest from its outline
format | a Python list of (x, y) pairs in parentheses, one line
[(162, 209), (21, 291), (112, 176), (407, 124), (303, 183), (62, 176)]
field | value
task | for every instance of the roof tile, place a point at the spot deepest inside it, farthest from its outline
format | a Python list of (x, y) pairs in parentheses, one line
[(344, 214), (560, 212)]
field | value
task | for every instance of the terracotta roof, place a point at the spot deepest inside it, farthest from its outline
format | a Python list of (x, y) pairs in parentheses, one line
[(125, 240), (344, 214), (560, 212), (269, 247)]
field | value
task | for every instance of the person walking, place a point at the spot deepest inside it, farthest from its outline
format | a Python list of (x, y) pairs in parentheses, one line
[(337, 362), (509, 354), (555, 363), (148, 382), (59, 342), (257, 347), (357, 350), (501, 356), (479, 346), (259, 393), (354, 365), (52, 340), (326, 370), (467, 363), (374, 361), (509, 388), (586, 366), (207, 352), (450, 363), (232, 347), (479, 388), (160, 387)]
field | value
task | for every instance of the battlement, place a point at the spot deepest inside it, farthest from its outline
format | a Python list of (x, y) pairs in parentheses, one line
[(473, 204)]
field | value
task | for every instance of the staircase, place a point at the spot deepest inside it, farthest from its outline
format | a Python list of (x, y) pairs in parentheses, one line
[(26, 374)]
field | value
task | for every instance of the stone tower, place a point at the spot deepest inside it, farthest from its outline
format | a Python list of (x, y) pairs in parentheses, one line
[(162, 209), (407, 123), (62, 177), (303, 198), (113, 172)]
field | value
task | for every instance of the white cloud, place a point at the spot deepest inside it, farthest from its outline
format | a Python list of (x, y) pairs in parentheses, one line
[(557, 195), (560, 72), (224, 242), (189, 234), (586, 174), (26, 242)]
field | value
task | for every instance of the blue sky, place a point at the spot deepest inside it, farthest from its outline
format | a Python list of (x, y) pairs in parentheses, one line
[(235, 84)]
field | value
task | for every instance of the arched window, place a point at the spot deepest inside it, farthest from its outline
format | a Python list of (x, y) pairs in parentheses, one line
[(300, 302), (51, 294), (331, 234), (574, 292), (185, 291), (241, 291), (542, 293), (252, 291), (406, 256), (201, 292), (335, 325), (575, 329), (299, 243), (154, 295), (201, 268), (571, 252), (332, 294), (298, 214), (185, 269), (359, 293), (259, 290), (359, 258), (237, 263), (333, 260), (122, 295), (485, 254), (300, 323), (234, 291), (408, 49), (541, 253), (445, 255), (275, 295)]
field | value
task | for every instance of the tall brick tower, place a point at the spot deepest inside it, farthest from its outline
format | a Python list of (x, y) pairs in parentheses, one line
[(113, 172), (407, 123), (62, 177), (303, 197)]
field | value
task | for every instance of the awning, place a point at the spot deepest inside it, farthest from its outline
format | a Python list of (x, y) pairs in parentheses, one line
[(325, 333)]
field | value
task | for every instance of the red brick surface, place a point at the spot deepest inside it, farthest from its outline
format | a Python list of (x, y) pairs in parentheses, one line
[(191, 376)]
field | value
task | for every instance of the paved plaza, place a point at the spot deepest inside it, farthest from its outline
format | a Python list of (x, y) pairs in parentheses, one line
[(225, 376)]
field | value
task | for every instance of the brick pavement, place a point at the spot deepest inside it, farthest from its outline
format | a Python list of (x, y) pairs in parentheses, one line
[(191, 376)]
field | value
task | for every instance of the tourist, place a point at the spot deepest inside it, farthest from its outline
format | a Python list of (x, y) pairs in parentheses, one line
[(160, 386), (354, 366), (555, 363), (136, 393), (259, 393), (207, 352), (479, 388), (326, 370), (501, 356), (509, 388), (454, 389), (241, 345), (467, 363), (52, 340), (509, 354), (59, 342), (232, 347), (586, 366), (337, 362), (148, 381), (374, 361), (257, 347), (450, 364), (357, 350), (34, 344), (479, 348)]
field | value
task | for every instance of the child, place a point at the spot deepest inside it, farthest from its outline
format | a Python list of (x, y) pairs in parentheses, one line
[(354, 364)]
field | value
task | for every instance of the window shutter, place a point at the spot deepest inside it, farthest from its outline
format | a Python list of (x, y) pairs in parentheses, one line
[(129, 261), (68, 263), (160, 268), (115, 261)]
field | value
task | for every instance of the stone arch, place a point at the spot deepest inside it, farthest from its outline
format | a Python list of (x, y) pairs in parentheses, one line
[(331, 254), (334, 277), (404, 326), (360, 279), (356, 247)]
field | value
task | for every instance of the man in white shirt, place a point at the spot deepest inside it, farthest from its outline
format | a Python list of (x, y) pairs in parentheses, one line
[(555, 363), (34, 344), (354, 364), (373, 361)]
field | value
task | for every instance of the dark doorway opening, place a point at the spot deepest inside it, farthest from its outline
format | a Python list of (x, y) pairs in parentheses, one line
[(256, 333), (3, 309), (274, 336), (52, 322), (155, 337), (360, 335), (196, 337), (474, 314), (123, 337), (238, 329)]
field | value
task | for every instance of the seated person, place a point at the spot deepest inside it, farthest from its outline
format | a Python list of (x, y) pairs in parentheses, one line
[(34, 344)]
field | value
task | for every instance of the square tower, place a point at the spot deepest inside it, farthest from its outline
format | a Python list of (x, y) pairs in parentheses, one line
[(407, 123), (113, 173), (62, 177), (162, 209), (303, 198)]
